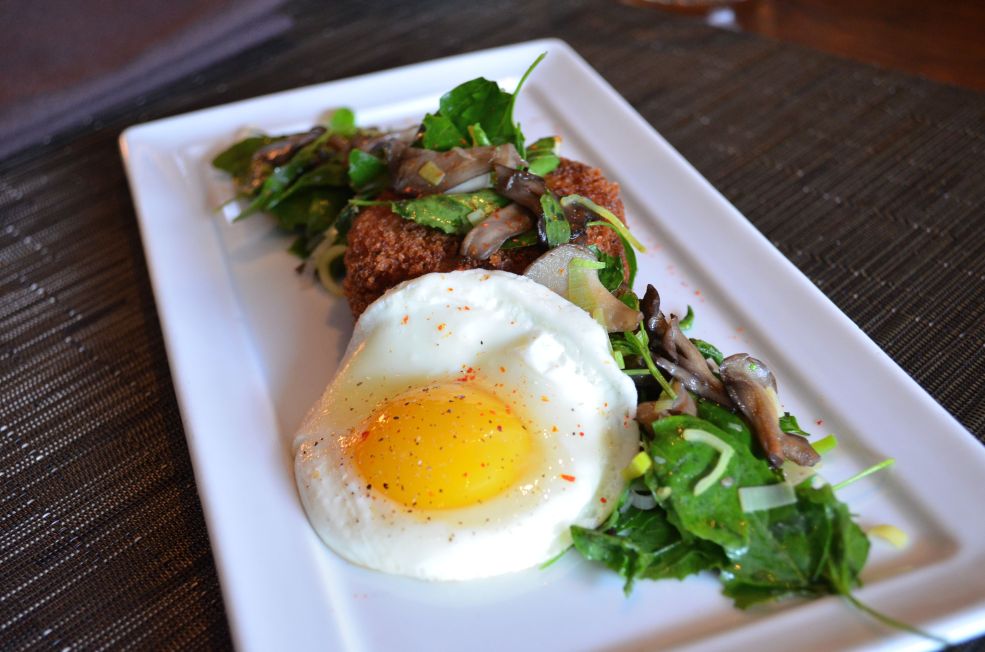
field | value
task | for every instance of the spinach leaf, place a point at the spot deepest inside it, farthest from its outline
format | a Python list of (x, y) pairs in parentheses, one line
[(477, 106), (236, 159), (367, 173), (611, 275), (556, 226), (716, 514), (448, 213), (788, 423), (441, 134), (709, 350), (542, 155)]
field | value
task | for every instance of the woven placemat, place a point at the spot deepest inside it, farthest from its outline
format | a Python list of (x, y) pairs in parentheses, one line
[(871, 182)]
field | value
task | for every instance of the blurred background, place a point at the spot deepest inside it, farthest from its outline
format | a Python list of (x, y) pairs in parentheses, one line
[(65, 61), (943, 40)]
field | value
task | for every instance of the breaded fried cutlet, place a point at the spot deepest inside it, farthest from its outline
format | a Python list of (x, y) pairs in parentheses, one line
[(385, 249)]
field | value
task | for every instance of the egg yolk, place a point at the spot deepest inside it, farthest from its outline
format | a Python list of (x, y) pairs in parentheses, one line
[(442, 446)]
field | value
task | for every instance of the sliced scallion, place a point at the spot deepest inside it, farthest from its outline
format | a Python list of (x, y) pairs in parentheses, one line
[(770, 496), (825, 444), (605, 214), (637, 466), (725, 453), (869, 471), (891, 534)]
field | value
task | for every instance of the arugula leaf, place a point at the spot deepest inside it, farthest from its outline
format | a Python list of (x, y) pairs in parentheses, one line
[(627, 248), (282, 177), (344, 220), (542, 155), (331, 174), (810, 548), (788, 423), (367, 173), (645, 545), (556, 225), (448, 213), (308, 212), (709, 350), (236, 159), (638, 344), (611, 275)]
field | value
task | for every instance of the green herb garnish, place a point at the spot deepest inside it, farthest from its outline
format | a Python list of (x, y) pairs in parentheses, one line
[(788, 423), (447, 213), (476, 110), (709, 351), (555, 224), (542, 155), (688, 321)]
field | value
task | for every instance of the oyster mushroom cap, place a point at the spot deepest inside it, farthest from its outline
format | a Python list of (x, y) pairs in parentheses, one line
[(424, 171), (487, 236), (747, 381)]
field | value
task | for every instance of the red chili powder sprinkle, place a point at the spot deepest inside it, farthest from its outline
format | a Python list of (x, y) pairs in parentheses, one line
[(603, 500), (441, 326), (405, 319), (581, 433), (569, 478)]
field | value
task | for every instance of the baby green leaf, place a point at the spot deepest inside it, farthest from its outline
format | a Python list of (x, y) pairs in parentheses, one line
[(448, 213)]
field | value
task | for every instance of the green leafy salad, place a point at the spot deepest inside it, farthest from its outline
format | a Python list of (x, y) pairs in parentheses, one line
[(725, 481)]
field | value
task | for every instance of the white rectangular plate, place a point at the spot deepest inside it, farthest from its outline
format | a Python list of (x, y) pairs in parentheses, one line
[(252, 346)]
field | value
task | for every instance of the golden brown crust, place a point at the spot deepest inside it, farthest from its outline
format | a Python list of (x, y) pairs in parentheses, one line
[(385, 249)]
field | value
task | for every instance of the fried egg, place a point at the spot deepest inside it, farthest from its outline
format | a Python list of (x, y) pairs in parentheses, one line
[(475, 418)]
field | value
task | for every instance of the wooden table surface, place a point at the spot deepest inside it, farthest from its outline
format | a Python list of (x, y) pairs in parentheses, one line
[(943, 40)]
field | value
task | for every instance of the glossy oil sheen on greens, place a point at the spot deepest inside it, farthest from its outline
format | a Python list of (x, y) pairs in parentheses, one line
[(811, 548), (448, 213)]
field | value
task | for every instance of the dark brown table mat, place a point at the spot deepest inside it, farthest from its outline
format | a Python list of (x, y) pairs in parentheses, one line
[(871, 182)]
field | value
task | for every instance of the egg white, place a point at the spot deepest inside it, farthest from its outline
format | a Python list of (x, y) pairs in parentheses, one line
[(538, 353)]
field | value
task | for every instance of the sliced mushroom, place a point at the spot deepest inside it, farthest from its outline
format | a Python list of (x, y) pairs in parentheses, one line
[(650, 411), (488, 236), (684, 361), (424, 171), (747, 380), (650, 305), (276, 153), (522, 187)]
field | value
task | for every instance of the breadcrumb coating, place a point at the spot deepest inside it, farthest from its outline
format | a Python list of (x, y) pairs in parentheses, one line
[(385, 249)]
